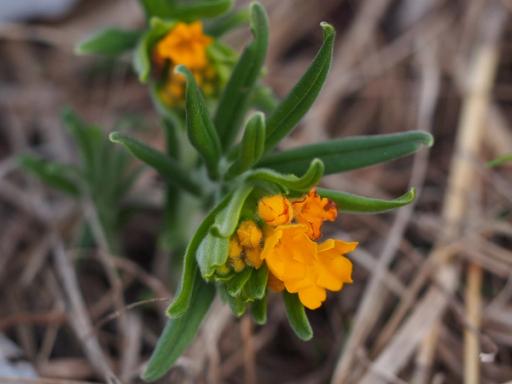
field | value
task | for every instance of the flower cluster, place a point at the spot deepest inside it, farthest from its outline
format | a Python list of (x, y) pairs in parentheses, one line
[(184, 44), (245, 246), (287, 244)]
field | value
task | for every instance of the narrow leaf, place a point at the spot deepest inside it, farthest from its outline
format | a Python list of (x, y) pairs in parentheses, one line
[(256, 286), (259, 311), (236, 284), (224, 24), (234, 100), (301, 97), (201, 132), (88, 137), (142, 54), (166, 166), (54, 174), (190, 271), (185, 10), (142, 58), (348, 202), (349, 153), (238, 305), (179, 333), (211, 254), (109, 42), (297, 316), (227, 221), (252, 146), (309, 179)]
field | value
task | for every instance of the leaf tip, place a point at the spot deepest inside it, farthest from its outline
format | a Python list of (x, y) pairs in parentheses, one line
[(328, 29), (411, 194), (428, 139), (256, 6), (115, 137), (180, 69)]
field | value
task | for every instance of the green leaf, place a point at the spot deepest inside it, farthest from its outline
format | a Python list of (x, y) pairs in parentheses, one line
[(259, 311), (109, 42), (295, 105), (252, 146), (88, 137), (167, 167), (234, 100), (190, 271), (211, 254), (179, 333), (227, 220), (58, 176), (348, 202), (236, 284), (186, 10), (221, 25), (238, 305), (142, 55), (201, 132), (309, 179), (348, 153), (256, 286), (297, 316)]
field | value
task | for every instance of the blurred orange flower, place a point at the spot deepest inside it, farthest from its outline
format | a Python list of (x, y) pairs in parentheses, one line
[(184, 44)]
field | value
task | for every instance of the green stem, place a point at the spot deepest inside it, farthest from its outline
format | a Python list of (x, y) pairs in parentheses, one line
[(171, 237)]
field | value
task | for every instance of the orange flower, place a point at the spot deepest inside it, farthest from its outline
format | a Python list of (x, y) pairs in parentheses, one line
[(295, 261), (305, 267), (249, 234), (253, 257), (235, 255), (245, 246), (312, 210), (184, 44), (275, 210), (333, 268)]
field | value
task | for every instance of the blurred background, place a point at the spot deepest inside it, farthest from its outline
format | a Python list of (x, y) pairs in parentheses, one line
[(431, 300)]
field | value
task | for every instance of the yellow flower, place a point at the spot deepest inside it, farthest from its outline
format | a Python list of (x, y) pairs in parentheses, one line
[(253, 257), (312, 210), (245, 246), (275, 210), (235, 255), (290, 256), (184, 44), (333, 268), (172, 91), (295, 261), (249, 234)]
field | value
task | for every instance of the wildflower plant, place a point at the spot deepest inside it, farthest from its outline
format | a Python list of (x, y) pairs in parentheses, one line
[(264, 211)]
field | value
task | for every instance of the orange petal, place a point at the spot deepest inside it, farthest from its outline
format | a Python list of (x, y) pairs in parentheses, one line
[(275, 210), (312, 210), (312, 297), (249, 234)]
